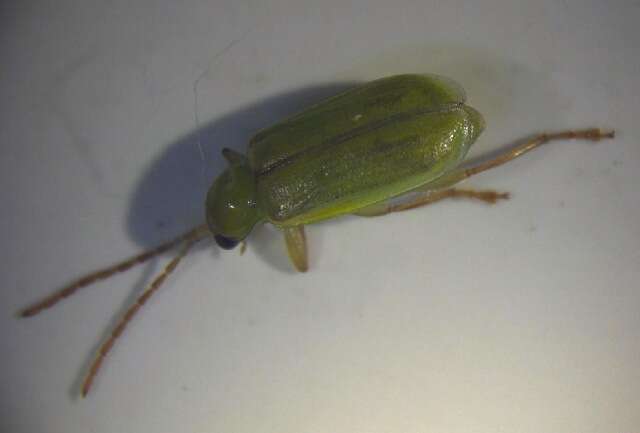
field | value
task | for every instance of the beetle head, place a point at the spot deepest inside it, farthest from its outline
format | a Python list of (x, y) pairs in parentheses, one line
[(231, 205)]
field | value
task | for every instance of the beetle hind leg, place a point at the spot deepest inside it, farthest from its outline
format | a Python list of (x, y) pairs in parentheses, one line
[(383, 208), (590, 134)]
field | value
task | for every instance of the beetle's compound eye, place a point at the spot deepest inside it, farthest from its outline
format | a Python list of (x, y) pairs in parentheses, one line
[(225, 243)]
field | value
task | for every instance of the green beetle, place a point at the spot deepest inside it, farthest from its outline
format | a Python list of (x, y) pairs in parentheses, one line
[(351, 154), (356, 149)]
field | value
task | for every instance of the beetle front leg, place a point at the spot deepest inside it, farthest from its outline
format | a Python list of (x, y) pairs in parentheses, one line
[(430, 197), (297, 247)]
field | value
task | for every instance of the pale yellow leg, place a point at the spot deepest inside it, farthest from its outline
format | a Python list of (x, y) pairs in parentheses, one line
[(297, 247), (384, 208)]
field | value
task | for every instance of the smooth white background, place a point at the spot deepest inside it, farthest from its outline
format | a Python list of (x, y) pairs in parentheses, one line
[(460, 317)]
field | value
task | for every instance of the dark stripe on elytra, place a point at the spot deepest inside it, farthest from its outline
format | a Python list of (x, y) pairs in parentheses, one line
[(352, 133)]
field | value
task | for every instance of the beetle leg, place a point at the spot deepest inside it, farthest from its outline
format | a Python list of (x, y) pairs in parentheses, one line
[(593, 134), (297, 247), (434, 191), (384, 208)]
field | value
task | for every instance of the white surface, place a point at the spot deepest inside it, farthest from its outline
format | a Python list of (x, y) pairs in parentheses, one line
[(522, 317)]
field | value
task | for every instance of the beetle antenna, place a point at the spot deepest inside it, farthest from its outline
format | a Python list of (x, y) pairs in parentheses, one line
[(101, 274), (133, 309)]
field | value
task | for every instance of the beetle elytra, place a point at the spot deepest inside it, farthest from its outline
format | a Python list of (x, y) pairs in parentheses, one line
[(396, 136)]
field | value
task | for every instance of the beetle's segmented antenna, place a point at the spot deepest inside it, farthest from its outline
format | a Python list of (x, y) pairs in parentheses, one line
[(133, 309), (105, 273)]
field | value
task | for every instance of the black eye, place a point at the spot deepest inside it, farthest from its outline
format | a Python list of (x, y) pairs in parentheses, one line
[(225, 242)]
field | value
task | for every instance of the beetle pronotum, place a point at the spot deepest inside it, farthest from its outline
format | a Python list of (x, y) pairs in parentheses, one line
[(350, 154)]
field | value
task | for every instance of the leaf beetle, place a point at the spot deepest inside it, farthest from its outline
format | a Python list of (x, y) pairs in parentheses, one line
[(400, 136)]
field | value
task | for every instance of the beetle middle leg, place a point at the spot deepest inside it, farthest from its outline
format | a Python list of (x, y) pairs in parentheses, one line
[(383, 208)]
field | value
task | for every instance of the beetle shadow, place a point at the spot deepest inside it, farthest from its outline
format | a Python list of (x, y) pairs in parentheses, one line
[(169, 199)]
